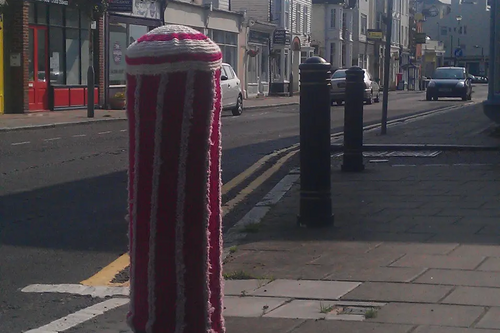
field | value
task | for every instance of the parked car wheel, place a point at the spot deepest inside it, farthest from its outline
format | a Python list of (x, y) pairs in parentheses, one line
[(238, 109), (428, 97), (465, 97), (435, 98), (369, 101)]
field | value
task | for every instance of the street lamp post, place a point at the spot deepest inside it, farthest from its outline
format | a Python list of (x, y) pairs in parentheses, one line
[(491, 106)]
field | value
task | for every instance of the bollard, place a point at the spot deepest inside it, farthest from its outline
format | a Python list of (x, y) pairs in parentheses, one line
[(174, 110), (90, 92), (353, 120), (315, 164)]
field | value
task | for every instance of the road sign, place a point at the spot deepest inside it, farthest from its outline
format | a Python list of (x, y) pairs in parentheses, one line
[(375, 34), (458, 53)]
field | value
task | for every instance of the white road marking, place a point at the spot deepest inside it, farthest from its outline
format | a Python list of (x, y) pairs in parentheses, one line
[(20, 143), (77, 289), (79, 135), (101, 133), (79, 317), (52, 139), (123, 130)]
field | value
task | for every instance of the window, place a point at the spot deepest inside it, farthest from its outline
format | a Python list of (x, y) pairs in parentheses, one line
[(117, 45), (333, 18), (305, 29), (287, 15), (444, 31), (332, 53), (298, 24), (228, 43), (68, 56), (229, 72), (364, 24)]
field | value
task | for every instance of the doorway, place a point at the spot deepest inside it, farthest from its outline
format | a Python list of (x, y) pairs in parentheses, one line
[(38, 66)]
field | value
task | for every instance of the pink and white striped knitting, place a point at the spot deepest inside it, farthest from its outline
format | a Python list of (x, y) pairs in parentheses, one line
[(174, 106)]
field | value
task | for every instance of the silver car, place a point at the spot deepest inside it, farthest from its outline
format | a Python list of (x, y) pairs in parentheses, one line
[(337, 90)]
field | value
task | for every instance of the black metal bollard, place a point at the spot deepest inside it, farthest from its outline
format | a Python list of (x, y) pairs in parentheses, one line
[(353, 120), (315, 164), (90, 92)]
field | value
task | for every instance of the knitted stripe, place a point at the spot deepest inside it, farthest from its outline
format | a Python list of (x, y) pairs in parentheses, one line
[(157, 161), (215, 222), (165, 264), (172, 36), (142, 198)]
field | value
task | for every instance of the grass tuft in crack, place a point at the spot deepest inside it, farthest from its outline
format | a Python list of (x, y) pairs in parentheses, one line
[(371, 313), (238, 275)]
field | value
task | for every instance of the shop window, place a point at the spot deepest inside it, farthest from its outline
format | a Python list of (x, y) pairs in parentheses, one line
[(228, 43), (41, 13), (84, 55), (264, 64), (56, 55), (56, 15), (118, 42), (31, 14), (135, 32), (73, 56), (72, 18)]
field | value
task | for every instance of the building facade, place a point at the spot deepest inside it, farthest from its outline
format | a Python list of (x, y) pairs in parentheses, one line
[(122, 29), (463, 28), (47, 56), (291, 43), (256, 53)]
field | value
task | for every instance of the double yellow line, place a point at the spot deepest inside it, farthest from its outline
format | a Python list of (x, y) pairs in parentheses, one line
[(106, 275)]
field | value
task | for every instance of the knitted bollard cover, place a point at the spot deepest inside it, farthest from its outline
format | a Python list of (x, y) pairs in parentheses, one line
[(173, 107)]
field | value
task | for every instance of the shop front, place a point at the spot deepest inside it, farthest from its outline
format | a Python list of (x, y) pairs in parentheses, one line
[(122, 29), (257, 64), (47, 57)]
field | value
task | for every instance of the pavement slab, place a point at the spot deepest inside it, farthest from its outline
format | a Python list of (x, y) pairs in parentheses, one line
[(376, 274), (443, 329), (398, 292), (239, 287), (439, 261), (414, 248), (490, 320), (323, 326), (460, 278), (322, 290), (261, 325), (474, 296), (490, 265), (429, 314), (299, 309), (235, 306)]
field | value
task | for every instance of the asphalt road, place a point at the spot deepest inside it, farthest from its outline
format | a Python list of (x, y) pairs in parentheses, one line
[(63, 195)]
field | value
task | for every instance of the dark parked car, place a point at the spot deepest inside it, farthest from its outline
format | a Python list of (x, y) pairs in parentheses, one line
[(449, 82)]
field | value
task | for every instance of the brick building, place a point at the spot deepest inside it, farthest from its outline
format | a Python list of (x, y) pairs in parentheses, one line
[(46, 53)]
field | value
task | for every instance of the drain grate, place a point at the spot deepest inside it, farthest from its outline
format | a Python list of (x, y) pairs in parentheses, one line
[(397, 154)]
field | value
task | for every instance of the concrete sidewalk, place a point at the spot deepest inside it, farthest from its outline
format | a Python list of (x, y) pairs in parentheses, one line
[(10, 122), (415, 248)]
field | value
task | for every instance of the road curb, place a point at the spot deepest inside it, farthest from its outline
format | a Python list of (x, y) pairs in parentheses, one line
[(270, 106), (53, 125)]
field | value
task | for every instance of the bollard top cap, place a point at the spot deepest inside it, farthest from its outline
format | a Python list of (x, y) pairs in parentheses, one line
[(172, 48), (315, 63), (315, 60), (355, 69)]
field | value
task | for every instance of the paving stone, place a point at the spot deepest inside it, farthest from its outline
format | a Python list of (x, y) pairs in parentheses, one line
[(490, 230), (434, 220), (470, 212), (272, 258), (474, 296), (429, 314), (376, 274), (250, 306), (322, 326), (398, 292), (260, 325), (477, 239), (477, 250), (411, 211), (356, 261), (490, 320), (460, 278), (439, 261), (490, 265), (299, 309), (237, 287), (446, 229), (441, 329), (481, 220), (415, 248), (331, 290)]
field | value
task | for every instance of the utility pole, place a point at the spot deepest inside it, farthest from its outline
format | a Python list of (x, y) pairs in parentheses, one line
[(387, 65)]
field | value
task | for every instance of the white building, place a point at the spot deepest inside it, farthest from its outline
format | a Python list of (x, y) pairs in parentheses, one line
[(465, 25), (255, 56), (364, 49), (332, 32), (291, 42)]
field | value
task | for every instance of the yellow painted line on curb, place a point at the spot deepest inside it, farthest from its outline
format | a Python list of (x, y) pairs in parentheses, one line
[(256, 183), (107, 274), (251, 170)]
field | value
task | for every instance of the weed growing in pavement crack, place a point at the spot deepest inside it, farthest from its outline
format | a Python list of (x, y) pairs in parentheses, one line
[(371, 313), (326, 308), (238, 275), (251, 228), (233, 249)]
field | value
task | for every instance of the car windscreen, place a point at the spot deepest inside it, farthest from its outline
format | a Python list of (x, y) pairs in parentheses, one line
[(339, 75), (449, 74)]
